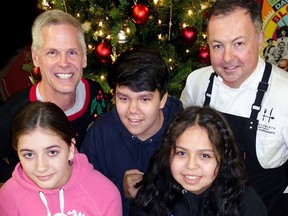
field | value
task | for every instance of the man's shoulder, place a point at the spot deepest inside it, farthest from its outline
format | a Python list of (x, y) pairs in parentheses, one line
[(93, 85), (105, 120), (202, 72), (279, 79), (172, 107), (11, 106), (279, 73), (174, 104)]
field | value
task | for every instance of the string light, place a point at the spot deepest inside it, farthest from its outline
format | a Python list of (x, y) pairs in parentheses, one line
[(102, 77), (122, 37), (204, 6), (90, 47), (46, 5), (204, 35)]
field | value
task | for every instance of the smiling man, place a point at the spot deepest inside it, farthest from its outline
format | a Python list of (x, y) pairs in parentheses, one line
[(59, 52)]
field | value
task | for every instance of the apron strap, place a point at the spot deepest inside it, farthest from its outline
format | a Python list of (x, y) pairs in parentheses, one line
[(209, 90), (262, 88)]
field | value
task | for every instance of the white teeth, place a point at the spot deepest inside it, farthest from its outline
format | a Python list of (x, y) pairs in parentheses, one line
[(64, 75), (192, 177), (134, 120)]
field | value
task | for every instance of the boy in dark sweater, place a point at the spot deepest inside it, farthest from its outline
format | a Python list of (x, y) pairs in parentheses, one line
[(120, 143)]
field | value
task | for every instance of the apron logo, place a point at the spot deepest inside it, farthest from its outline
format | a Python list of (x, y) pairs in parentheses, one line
[(267, 115)]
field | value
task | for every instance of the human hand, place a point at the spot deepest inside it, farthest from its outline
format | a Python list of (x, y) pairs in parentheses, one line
[(131, 178)]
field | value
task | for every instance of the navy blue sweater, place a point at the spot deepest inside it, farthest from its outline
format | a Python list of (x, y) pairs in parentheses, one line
[(112, 149)]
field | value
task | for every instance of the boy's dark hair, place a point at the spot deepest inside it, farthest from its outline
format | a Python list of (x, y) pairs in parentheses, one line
[(140, 69)]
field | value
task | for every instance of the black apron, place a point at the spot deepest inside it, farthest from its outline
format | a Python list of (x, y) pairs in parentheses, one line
[(269, 183)]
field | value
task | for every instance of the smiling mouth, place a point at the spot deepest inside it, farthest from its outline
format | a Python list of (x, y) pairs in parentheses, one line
[(64, 75), (44, 178), (230, 68), (134, 120), (193, 177)]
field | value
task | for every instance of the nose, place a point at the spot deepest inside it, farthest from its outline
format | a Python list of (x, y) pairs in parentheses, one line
[(133, 106), (228, 54), (41, 164), (63, 61), (192, 162)]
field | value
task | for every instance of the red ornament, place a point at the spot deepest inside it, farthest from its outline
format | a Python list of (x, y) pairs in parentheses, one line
[(205, 13), (36, 73), (189, 35), (103, 52), (203, 55), (140, 13)]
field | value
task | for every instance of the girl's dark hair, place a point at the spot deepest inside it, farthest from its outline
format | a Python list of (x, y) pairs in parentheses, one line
[(158, 190), (44, 115)]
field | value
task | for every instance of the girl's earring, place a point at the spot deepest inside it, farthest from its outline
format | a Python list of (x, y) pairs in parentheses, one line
[(70, 162)]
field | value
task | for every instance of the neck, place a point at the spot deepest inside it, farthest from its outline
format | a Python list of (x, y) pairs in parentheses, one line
[(153, 129), (64, 100)]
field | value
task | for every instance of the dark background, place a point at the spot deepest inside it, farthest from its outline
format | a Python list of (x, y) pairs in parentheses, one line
[(16, 18)]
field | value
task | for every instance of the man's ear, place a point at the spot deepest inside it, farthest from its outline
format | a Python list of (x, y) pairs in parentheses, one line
[(34, 57), (261, 39)]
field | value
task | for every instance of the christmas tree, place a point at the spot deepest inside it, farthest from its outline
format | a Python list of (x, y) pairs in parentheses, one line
[(174, 27)]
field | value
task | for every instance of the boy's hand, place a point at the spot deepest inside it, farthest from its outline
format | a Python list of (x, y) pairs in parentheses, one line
[(131, 177)]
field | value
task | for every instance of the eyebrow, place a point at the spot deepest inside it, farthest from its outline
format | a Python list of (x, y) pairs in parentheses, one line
[(141, 93), (180, 147), (50, 147)]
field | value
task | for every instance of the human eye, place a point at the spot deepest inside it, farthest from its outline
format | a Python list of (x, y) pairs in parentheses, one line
[(217, 46), (122, 98), (52, 53), (53, 153), (180, 153), (72, 52), (145, 99), (205, 155), (239, 45), (28, 155)]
